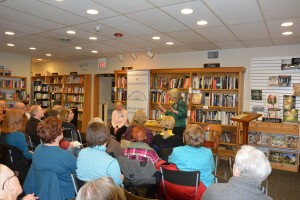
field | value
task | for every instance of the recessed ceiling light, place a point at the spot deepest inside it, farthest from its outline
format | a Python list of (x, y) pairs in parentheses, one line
[(10, 45), (32, 48), (78, 47), (59, 0), (92, 12), (48, 54), (71, 32), (287, 33), (9, 33), (155, 38), (169, 43), (93, 38), (287, 24), (186, 11), (39, 59), (202, 22), (94, 51)]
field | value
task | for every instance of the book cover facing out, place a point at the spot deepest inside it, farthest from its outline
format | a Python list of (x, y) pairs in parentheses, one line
[(290, 115), (289, 101)]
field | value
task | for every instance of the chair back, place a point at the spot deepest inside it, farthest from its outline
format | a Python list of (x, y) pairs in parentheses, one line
[(173, 178), (212, 136), (76, 183), (130, 196)]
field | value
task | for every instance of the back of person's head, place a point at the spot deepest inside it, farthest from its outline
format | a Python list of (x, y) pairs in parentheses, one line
[(49, 129), (59, 108), (168, 122), (193, 135), (10, 184), (13, 120), (139, 118), (64, 114), (102, 188), (175, 93), (97, 134), (251, 164), (2, 104), (95, 119), (19, 105), (51, 113), (138, 134), (34, 110)]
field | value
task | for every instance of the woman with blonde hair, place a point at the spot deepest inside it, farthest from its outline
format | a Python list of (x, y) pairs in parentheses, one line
[(139, 118), (119, 121), (178, 110), (193, 156), (102, 188), (166, 139)]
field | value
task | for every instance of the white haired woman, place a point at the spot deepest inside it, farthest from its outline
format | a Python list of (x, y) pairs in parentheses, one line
[(250, 169), (119, 121)]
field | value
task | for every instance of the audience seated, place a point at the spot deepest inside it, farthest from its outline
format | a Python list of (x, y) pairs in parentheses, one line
[(139, 119), (51, 113), (93, 162), (50, 173), (138, 149), (67, 115), (119, 121), (113, 147), (11, 187), (36, 115), (193, 156), (250, 169), (166, 139), (58, 108), (102, 188)]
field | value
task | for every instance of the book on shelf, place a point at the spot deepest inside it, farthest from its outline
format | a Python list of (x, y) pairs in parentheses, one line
[(289, 102), (287, 158), (266, 151), (253, 137), (290, 115), (265, 139), (226, 136), (292, 141), (197, 97), (278, 141)]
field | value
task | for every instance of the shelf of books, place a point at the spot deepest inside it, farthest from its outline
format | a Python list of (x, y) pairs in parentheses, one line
[(121, 86), (12, 89), (279, 141), (216, 96)]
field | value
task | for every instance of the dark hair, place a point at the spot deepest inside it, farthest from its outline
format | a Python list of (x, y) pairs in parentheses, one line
[(97, 134), (51, 113), (49, 129)]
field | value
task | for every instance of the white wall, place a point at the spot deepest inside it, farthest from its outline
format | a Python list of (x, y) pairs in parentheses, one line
[(227, 58), (20, 65)]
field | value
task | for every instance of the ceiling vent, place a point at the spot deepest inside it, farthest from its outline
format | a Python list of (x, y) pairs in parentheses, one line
[(65, 39), (212, 54)]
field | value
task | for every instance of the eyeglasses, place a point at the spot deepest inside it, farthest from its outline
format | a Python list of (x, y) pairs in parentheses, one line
[(16, 174)]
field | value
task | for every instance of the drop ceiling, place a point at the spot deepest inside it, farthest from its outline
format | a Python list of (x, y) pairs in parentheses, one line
[(231, 24)]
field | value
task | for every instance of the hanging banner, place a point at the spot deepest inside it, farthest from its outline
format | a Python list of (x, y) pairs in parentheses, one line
[(137, 91)]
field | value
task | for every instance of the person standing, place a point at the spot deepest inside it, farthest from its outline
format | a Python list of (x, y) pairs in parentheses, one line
[(178, 111), (119, 121)]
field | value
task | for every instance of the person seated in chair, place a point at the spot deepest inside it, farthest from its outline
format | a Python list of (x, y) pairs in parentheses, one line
[(102, 188), (36, 115), (138, 149), (11, 187), (193, 156), (119, 121), (250, 169)]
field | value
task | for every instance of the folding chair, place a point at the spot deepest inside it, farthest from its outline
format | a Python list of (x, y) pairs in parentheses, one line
[(130, 196), (180, 184)]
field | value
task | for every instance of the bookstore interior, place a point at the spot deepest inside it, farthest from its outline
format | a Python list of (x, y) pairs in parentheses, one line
[(246, 79)]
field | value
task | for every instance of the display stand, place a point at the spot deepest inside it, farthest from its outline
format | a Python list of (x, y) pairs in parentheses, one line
[(245, 118)]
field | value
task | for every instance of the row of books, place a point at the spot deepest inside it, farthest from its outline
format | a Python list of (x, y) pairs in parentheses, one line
[(215, 82), (15, 95), (164, 98), (56, 80), (122, 81), (74, 89), (40, 87), (75, 79), (73, 105), (74, 97), (164, 82), (275, 156), (54, 88), (215, 117), (215, 99), (278, 141), (157, 114), (41, 96), (12, 83), (122, 95)]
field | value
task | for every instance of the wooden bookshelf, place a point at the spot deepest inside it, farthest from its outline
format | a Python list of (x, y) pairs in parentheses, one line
[(121, 86)]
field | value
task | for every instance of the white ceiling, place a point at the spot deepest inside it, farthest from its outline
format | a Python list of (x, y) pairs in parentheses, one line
[(231, 24)]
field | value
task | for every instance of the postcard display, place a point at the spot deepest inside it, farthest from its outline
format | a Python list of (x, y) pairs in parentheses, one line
[(273, 95)]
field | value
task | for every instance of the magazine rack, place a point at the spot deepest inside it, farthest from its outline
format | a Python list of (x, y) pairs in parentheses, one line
[(245, 118)]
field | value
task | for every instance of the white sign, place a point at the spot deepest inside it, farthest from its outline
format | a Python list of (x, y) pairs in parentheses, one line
[(137, 91)]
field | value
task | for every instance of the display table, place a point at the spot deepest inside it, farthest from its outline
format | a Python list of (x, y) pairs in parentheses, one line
[(154, 126)]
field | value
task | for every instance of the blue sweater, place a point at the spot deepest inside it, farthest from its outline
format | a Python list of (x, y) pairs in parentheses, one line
[(94, 162), (62, 162), (188, 158), (18, 140)]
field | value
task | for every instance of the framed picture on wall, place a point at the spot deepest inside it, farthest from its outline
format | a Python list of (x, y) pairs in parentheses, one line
[(256, 94)]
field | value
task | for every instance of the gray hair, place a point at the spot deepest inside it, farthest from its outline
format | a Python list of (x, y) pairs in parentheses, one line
[(252, 164), (33, 110), (175, 93), (95, 119), (119, 103)]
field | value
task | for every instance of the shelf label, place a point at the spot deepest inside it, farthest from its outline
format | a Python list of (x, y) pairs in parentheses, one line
[(205, 107)]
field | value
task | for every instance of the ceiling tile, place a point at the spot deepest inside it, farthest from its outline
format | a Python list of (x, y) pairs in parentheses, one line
[(217, 34), (250, 31), (17, 27), (286, 41), (166, 2), (187, 37), (257, 43), (230, 45)]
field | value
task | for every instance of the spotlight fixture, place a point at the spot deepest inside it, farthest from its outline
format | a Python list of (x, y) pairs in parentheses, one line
[(150, 54), (121, 58), (133, 56)]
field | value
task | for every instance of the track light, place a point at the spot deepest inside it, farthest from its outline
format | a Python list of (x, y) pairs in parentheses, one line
[(121, 58), (149, 54), (133, 56)]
